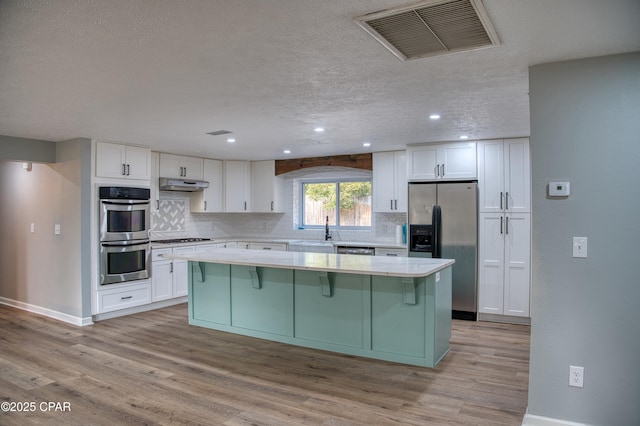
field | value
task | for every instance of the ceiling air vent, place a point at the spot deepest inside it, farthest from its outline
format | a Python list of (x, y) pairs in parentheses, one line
[(430, 28), (219, 132)]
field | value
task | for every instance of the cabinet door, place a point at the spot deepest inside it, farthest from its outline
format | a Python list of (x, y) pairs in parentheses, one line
[(170, 166), (517, 264), (422, 162), (161, 280), (138, 161), (236, 186), (491, 263), (517, 176), (458, 161), (383, 182), (154, 183), (400, 181), (110, 160), (265, 187), (192, 167), (181, 271), (209, 200), (491, 176)]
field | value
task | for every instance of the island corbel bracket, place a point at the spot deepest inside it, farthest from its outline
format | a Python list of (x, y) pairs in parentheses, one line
[(325, 284), (198, 271), (255, 278), (409, 291)]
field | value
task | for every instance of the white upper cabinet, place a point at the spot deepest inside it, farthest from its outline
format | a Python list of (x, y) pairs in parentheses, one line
[(450, 161), (210, 199), (266, 187), (237, 186), (176, 166), (122, 161), (390, 182), (155, 184), (504, 176)]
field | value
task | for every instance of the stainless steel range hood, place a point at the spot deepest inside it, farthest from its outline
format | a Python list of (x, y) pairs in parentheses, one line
[(185, 185)]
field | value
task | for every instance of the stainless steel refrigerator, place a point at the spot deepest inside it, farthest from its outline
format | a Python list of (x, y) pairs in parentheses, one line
[(443, 222)]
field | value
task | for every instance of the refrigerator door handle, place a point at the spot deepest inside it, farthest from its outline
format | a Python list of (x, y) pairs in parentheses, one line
[(436, 223)]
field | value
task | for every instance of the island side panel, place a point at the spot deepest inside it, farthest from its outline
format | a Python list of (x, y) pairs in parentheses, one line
[(441, 292), (262, 299), (209, 294), (332, 308), (398, 328)]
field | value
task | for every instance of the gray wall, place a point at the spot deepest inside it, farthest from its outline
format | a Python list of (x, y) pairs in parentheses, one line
[(41, 269), (585, 128), (22, 149)]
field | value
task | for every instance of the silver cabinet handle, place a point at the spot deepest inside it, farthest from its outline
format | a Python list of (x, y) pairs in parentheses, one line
[(126, 297), (438, 170), (396, 203), (245, 205), (272, 206), (266, 248), (205, 205), (442, 169), (157, 204), (124, 169), (501, 195), (506, 228), (501, 231), (171, 268), (392, 254), (390, 204), (128, 169), (506, 201)]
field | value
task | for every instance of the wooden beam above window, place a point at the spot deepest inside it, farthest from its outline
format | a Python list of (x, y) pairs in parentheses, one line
[(356, 161)]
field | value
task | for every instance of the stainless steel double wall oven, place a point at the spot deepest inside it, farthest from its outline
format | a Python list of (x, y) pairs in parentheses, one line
[(125, 251)]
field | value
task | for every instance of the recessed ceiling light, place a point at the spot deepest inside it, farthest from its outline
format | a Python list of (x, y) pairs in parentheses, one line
[(464, 137), (366, 144), (319, 129), (287, 151), (231, 140), (434, 116)]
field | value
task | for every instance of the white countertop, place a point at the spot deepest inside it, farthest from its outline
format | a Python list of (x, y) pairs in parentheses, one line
[(296, 241), (327, 262)]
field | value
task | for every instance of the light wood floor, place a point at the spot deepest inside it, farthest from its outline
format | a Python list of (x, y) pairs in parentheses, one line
[(153, 368)]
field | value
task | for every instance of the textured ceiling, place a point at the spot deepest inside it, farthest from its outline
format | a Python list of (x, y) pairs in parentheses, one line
[(163, 73)]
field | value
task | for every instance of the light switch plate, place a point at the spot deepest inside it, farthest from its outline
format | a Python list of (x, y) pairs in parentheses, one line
[(580, 247), (56, 229)]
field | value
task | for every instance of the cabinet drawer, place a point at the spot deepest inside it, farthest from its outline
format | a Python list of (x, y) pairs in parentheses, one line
[(184, 250), (156, 254), (124, 298), (268, 246), (390, 252)]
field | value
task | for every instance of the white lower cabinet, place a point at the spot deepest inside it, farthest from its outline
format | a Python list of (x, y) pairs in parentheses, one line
[(393, 252), (169, 278), (504, 278), (123, 297)]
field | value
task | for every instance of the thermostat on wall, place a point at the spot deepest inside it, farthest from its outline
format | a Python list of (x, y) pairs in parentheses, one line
[(559, 189)]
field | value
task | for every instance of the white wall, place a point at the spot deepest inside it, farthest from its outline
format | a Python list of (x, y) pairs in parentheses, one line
[(43, 271), (585, 128)]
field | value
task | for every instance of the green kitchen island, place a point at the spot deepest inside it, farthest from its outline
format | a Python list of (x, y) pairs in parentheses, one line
[(390, 308)]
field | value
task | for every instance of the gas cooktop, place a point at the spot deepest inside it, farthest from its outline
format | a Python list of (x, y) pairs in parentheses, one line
[(181, 240)]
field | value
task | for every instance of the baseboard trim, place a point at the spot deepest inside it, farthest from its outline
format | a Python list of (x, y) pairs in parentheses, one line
[(141, 308), (533, 420), (509, 319), (50, 313)]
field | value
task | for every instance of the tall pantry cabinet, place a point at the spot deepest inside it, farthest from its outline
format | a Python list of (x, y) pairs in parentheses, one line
[(504, 182)]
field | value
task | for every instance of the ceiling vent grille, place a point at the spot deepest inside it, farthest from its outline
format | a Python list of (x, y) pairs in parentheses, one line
[(431, 28), (219, 132)]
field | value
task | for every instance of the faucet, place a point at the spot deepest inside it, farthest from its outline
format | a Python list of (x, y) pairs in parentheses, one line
[(327, 235)]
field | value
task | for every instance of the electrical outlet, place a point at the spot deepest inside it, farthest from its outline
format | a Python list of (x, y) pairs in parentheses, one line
[(576, 376), (580, 247)]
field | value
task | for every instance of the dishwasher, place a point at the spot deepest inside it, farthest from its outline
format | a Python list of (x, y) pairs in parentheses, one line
[(364, 251)]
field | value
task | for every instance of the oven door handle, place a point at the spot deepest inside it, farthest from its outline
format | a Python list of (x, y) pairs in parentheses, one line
[(125, 243), (124, 202)]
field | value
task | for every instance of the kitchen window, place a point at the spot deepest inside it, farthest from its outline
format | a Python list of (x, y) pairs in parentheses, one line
[(347, 203)]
